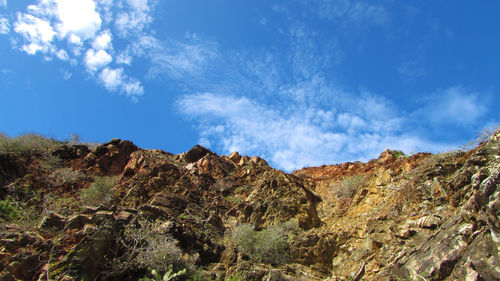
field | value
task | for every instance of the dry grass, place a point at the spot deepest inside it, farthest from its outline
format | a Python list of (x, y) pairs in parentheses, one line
[(25, 144)]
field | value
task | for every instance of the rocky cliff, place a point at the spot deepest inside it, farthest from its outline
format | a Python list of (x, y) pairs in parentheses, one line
[(118, 212)]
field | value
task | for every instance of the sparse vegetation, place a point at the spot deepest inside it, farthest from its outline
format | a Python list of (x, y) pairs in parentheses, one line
[(147, 247), (29, 218), (346, 189), (64, 176), (8, 209), (100, 192), (28, 143), (59, 204), (268, 245)]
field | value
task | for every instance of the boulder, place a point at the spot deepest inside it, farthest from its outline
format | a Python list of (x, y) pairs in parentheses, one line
[(195, 154), (77, 221), (112, 157)]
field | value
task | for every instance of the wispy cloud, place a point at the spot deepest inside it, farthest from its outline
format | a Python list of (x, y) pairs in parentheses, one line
[(294, 136), (135, 17), (412, 69), (3, 3), (350, 11), (455, 106), (4, 25), (280, 106), (178, 60)]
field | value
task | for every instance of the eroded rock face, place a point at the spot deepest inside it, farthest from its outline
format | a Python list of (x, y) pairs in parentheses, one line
[(465, 245), (278, 197), (111, 158)]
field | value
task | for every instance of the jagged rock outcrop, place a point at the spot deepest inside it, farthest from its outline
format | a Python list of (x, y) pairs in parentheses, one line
[(396, 217), (110, 158)]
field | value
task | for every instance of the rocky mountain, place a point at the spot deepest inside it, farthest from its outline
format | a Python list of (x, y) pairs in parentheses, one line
[(117, 212)]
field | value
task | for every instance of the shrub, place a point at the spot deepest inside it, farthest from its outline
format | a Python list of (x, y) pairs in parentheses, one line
[(65, 176), (346, 189), (99, 192), (269, 245), (147, 248), (245, 239)]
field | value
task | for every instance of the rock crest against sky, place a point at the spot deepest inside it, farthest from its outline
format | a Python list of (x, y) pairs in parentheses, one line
[(299, 83)]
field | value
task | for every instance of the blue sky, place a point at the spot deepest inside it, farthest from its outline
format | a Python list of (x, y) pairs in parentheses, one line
[(299, 83)]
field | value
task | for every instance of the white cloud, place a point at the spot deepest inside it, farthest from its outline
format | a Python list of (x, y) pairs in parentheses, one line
[(75, 40), (111, 78), (133, 88), (116, 80), (37, 32), (62, 55), (78, 17), (124, 58), (81, 31), (53, 20), (4, 25), (96, 60), (103, 41), (133, 19), (456, 106), (3, 3)]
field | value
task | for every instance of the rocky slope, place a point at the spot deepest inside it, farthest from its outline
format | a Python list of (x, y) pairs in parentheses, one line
[(116, 212)]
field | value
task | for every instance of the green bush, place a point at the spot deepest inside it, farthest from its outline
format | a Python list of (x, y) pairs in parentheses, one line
[(99, 192), (397, 153), (269, 245), (245, 239)]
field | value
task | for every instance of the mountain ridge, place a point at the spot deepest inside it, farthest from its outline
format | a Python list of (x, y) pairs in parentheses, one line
[(118, 212)]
